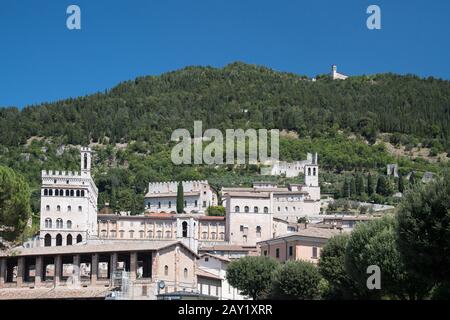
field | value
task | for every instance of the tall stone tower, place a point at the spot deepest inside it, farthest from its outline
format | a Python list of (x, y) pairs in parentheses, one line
[(85, 161), (312, 173)]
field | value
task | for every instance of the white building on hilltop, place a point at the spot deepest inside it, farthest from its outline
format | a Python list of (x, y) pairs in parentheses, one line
[(162, 196), (288, 169), (336, 75), (68, 205)]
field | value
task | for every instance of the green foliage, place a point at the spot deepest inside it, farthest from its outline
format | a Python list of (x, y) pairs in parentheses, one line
[(424, 230), (383, 186), (374, 243), (252, 275), (296, 280), (215, 211), (332, 268), (180, 198), (14, 204)]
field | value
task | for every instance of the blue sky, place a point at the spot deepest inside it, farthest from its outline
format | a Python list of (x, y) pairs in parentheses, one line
[(41, 60)]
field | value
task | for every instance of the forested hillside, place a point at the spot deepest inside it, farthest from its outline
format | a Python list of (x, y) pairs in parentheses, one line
[(130, 125)]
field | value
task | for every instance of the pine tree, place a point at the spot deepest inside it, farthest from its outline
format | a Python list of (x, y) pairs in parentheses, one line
[(369, 185), (180, 198), (401, 187)]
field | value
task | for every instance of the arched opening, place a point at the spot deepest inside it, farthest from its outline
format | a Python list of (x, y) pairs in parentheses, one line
[(78, 193), (255, 209), (79, 238), (47, 240), (69, 240), (185, 229), (85, 161), (45, 192), (185, 273), (82, 193), (246, 209), (236, 209), (71, 193), (266, 210), (166, 270), (69, 224), (59, 240)]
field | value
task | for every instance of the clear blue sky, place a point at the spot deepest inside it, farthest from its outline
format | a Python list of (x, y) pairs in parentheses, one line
[(41, 60)]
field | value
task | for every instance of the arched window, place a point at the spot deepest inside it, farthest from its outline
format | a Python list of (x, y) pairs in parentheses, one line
[(78, 193), (168, 234), (61, 193), (80, 208), (112, 234), (213, 235), (166, 270), (71, 193), (309, 171), (159, 234), (85, 160), (258, 231), (48, 240), (266, 210), (121, 234), (59, 223), (69, 240), (185, 272), (255, 209), (246, 209), (185, 229), (79, 238), (48, 223), (58, 240), (58, 208), (222, 236), (170, 204), (159, 205), (150, 234), (69, 208), (50, 192), (103, 233), (45, 192), (69, 224), (82, 193), (131, 234), (67, 193), (141, 234), (236, 209), (314, 171), (204, 235), (47, 207)]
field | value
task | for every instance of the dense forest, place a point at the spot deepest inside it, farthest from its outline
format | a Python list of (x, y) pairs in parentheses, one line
[(130, 125)]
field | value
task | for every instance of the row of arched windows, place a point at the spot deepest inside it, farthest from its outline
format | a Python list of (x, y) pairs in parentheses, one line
[(61, 193), (58, 208), (166, 271), (59, 224), (59, 239), (247, 209)]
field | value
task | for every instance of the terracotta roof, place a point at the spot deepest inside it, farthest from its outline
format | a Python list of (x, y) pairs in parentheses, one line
[(206, 274), (310, 232), (212, 218), (228, 247), (225, 259)]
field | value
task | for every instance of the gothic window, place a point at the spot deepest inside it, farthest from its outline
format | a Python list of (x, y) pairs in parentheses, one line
[(59, 223), (58, 208), (59, 240), (79, 238), (45, 192), (266, 210), (48, 240), (246, 209), (236, 209), (69, 240), (69, 224), (185, 229), (61, 192), (48, 223)]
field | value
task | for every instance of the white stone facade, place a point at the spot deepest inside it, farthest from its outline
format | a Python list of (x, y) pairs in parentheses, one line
[(336, 75), (288, 169), (68, 205), (162, 196)]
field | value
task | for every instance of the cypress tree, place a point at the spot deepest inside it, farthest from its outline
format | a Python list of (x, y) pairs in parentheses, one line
[(401, 186), (180, 198), (369, 185)]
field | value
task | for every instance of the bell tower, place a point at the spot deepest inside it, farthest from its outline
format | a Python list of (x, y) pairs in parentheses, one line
[(85, 161)]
